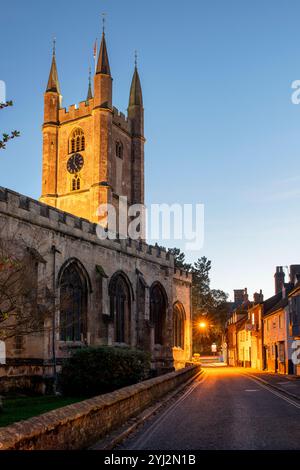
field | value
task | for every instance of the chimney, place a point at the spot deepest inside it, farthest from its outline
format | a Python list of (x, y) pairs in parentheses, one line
[(238, 296), (294, 272), (258, 297), (279, 279), (246, 296)]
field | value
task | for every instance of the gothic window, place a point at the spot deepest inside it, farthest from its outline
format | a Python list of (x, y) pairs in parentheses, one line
[(73, 304), (120, 302), (119, 150), (77, 141), (178, 325), (75, 183), (158, 306)]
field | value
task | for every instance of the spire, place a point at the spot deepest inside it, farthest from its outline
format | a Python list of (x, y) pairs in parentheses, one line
[(136, 96), (53, 83), (90, 93), (103, 62)]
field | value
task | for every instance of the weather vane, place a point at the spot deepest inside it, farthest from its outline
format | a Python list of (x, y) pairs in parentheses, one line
[(103, 22), (135, 58), (54, 45)]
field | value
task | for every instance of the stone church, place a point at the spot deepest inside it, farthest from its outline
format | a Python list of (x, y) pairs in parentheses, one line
[(121, 292)]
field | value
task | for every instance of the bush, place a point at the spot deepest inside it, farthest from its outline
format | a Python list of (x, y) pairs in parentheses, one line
[(93, 371)]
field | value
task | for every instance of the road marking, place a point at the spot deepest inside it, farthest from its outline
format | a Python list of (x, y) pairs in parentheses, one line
[(287, 384), (252, 390), (151, 430), (277, 394)]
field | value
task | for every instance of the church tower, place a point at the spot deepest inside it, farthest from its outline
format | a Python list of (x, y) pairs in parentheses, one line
[(92, 154)]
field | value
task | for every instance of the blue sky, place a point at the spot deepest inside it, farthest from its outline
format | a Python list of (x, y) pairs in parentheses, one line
[(220, 125)]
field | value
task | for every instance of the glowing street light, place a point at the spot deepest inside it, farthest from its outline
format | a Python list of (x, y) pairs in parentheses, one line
[(202, 325)]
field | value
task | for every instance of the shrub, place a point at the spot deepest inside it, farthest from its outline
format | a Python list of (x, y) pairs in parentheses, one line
[(93, 371)]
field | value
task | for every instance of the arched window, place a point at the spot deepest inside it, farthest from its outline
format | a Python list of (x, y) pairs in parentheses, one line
[(158, 306), (119, 149), (77, 141), (120, 303), (178, 325), (75, 183), (73, 304)]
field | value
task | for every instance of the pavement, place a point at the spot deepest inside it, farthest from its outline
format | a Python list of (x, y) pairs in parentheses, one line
[(287, 384), (224, 409)]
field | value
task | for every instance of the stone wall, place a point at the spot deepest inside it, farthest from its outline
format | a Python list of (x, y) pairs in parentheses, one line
[(61, 238), (80, 425)]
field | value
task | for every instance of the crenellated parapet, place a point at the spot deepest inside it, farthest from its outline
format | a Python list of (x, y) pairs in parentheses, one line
[(120, 120), (76, 111), (28, 210), (182, 275)]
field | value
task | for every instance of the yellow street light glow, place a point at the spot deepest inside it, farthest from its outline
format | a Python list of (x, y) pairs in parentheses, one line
[(202, 324)]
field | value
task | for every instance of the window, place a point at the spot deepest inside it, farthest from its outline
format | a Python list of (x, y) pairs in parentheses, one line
[(280, 321), (77, 141), (158, 307), (119, 294), (75, 185), (178, 325), (119, 150), (73, 304)]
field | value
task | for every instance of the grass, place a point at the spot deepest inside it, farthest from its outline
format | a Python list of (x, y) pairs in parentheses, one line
[(20, 408)]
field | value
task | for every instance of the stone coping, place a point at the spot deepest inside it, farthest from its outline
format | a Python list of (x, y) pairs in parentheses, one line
[(81, 424)]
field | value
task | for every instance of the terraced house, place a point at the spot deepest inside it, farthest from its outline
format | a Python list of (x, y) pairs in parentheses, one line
[(264, 334)]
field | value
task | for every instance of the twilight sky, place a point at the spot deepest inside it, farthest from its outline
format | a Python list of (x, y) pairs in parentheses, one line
[(220, 125)]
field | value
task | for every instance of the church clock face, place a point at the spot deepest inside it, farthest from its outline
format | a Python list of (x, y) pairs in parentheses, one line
[(75, 163)]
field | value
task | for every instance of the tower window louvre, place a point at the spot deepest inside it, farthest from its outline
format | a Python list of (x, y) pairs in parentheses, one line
[(75, 183), (77, 141)]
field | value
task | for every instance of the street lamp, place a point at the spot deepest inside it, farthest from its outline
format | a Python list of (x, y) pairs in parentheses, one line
[(202, 325)]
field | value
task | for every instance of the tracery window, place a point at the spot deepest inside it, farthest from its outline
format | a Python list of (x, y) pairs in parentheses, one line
[(158, 306), (120, 303), (73, 304), (178, 325), (77, 141), (75, 185)]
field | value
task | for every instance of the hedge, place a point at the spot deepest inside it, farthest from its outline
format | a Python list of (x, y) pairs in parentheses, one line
[(95, 370)]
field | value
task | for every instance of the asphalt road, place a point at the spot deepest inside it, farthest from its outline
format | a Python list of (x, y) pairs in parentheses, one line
[(223, 409)]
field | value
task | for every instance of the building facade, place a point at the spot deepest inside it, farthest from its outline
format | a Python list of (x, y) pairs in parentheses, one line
[(95, 291), (264, 334)]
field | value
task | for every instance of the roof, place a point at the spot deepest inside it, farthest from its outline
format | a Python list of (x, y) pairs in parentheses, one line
[(53, 83), (103, 62), (295, 289), (136, 97), (277, 302)]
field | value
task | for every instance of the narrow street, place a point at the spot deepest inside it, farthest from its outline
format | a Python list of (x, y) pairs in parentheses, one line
[(223, 409)]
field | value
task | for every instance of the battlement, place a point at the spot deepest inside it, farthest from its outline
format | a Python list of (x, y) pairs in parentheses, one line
[(121, 120), (182, 275), (76, 111), (28, 210)]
